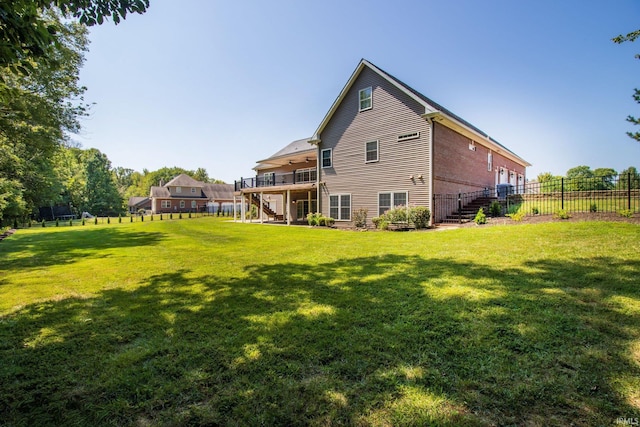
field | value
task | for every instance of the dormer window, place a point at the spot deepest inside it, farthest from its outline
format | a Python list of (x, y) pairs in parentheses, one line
[(178, 189), (364, 97), (193, 190)]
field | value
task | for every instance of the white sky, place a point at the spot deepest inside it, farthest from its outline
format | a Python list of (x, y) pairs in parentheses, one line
[(222, 84)]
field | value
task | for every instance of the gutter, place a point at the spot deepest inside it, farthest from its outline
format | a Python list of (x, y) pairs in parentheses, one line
[(430, 174)]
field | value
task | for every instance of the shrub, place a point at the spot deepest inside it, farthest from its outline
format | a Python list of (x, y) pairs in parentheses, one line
[(313, 218), (131, 218), (119, 218), (170, 216), (534, 210), (562, 214), (160, 217), (151, 217), (593, 208), (495, 209), (360, 217), (70, 222), (57, 222), (513, 209), (95, 221), (517, 216), (108, 220), (43, 224), (141, 218), (329, 221), (189, 214), (480, 218), (180, 215), (82, 221), (627, 213), (420, 216)]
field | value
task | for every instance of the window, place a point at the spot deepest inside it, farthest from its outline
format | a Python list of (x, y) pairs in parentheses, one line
[(193, 190), (326, 158), (194, 204), (166, 204), (371, 151), (364, 96), (340, 207), (306, 175), (269, 178), (178, 189), (489, 161), (302, 207), (387, 201), (181, 204)]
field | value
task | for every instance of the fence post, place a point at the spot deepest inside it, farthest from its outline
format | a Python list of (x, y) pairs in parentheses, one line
[(629, 190), (460, 208), (562, 193)]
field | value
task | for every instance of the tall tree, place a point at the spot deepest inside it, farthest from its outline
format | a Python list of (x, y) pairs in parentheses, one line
[(631, 37), (101, 195), (37, 112)]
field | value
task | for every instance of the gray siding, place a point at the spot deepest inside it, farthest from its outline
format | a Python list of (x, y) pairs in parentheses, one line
[(393, 114)]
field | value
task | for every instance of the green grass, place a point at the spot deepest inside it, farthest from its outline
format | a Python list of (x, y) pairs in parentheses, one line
[(206, 322)]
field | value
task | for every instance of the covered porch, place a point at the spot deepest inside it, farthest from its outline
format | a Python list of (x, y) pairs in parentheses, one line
[(284, 203)]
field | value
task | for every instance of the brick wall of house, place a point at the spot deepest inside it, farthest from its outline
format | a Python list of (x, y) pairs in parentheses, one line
[(457, 169)]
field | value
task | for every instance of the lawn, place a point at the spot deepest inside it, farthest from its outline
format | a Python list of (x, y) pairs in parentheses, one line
[(207, 322)]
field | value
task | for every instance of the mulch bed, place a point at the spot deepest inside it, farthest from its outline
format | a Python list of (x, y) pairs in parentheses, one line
[(574, 217), (7, 233)]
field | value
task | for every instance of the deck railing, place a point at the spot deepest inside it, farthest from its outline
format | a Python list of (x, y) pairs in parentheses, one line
[(299, 176)]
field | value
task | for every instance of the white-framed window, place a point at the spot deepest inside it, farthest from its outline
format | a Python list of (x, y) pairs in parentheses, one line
[(340, 207), (165, 204), (269, 178), (193, 190), (389, 200), (178, 189), (181, 204), (364, 98), (194, 204), (490, 161), (326, 156), (306, 175), (371, 151)]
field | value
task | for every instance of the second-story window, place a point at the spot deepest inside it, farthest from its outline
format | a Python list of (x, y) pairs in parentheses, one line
[(371, 151), (364, 98), (178, 189), (325, 155), (193, 190)]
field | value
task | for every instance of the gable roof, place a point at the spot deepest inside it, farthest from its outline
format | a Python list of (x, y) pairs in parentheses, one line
[(432, 110), (183, 180), (218, 192)]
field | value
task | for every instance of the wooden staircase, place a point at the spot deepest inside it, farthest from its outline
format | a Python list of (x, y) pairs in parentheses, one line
[(255, 200), (469, 211)]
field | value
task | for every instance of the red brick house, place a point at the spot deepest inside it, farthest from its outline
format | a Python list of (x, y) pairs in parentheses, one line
[(383, 144), (185, 194)]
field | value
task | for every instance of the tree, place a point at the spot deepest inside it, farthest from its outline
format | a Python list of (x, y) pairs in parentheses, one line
[(631, 37), (607, 178), (579, 179), (26, 34), (629, 179), (101, 195), (37, 112)]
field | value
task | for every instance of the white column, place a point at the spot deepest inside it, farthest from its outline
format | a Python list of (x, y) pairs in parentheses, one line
[(261, 210), (288, 207), (243, 209), (309, 200)]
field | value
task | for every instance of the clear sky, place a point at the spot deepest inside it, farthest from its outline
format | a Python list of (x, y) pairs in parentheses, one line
[(222, 84)]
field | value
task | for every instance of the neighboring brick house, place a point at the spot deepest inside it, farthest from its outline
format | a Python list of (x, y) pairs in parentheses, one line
[(383, 144), (185, 194)]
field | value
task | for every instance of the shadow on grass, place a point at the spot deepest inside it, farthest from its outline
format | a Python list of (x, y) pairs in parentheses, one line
[(63, 247), (368, 341)]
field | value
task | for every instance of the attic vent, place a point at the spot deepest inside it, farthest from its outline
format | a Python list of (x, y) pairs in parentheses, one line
[(408, 136), (472, 146)]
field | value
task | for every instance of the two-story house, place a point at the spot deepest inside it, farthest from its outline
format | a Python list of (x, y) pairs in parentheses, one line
[(383, 144), (185, 194)]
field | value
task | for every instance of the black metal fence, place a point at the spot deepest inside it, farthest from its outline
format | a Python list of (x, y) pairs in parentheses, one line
[(598, 194)]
